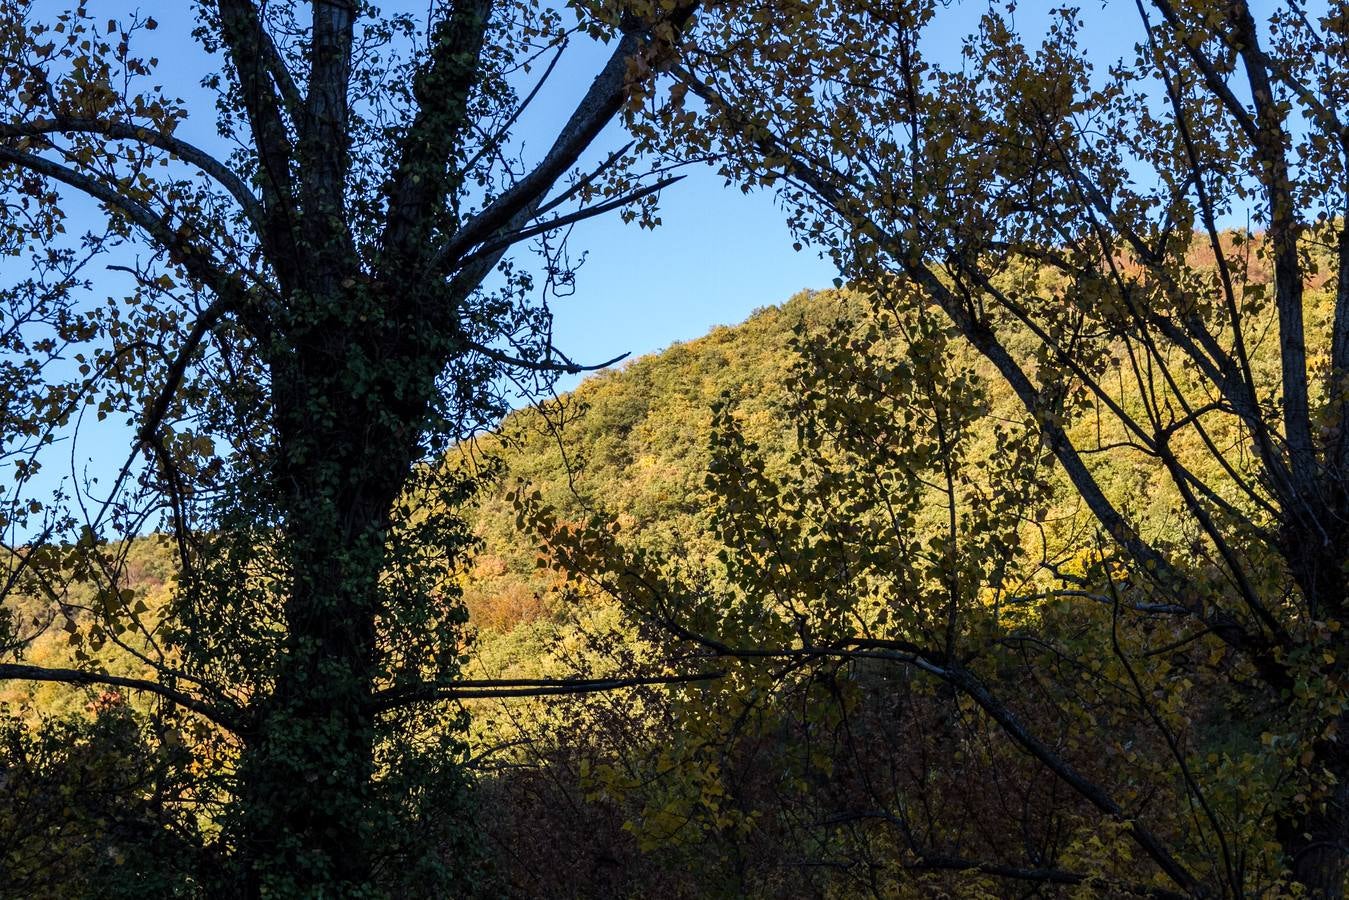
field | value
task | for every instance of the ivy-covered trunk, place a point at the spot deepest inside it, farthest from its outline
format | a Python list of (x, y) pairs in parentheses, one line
[(347, 417), (306, 772)]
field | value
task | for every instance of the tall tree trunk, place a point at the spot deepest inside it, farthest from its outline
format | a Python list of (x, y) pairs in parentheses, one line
[(306, 773), (307, 811)]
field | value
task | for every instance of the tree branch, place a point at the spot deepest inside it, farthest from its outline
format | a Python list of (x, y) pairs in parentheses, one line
[(130, 132), (563, 368), (424, 178), (292, 101), (154, 416), (934, 862), (194, 259), (325, 139), (494, 247), (524, 687), (247, 41), (599, 105), (937, 665), (1212, 77), (514, 207), (231, 720), (913, 264), (1284, 232), (1267, 135)]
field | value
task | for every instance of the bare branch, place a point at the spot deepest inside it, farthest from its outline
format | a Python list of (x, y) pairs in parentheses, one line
[(494, 247), (230, 719), (516, 206), (490, 142), (528, 687), (561, 368)]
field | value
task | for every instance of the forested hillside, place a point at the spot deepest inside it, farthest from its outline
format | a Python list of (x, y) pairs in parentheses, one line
[(635, 443), (637, 447)]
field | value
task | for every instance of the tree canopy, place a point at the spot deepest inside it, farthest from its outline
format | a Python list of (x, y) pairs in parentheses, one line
[(1068, 220)]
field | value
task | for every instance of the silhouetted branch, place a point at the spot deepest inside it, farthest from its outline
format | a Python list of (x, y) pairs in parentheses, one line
[(227, 719), (526, 687)]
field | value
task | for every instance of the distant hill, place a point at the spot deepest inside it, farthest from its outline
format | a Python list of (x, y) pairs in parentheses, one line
[(633, 442)]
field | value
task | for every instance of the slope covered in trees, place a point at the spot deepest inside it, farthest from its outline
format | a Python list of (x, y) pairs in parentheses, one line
[(634, 442), (644, 450)]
